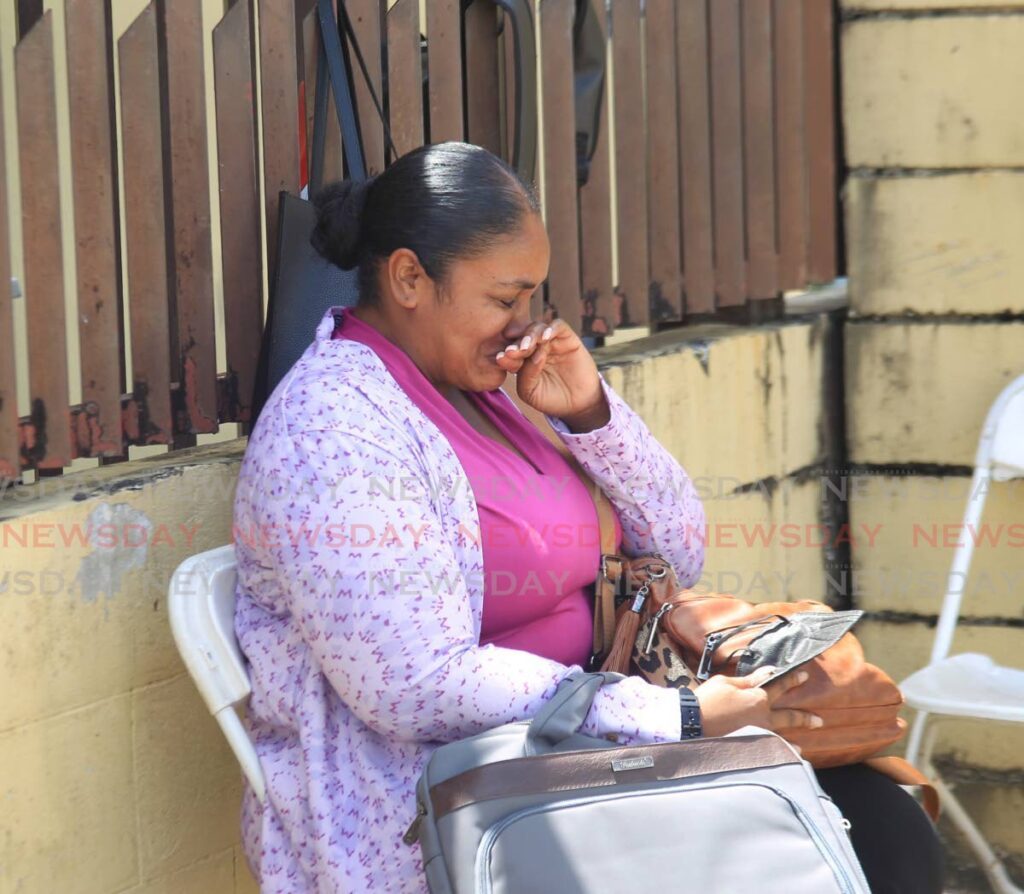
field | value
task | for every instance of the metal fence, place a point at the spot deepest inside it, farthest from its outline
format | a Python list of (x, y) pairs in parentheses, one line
[(712, 190)]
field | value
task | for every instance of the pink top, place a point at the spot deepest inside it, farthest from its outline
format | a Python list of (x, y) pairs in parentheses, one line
[(538, 525)]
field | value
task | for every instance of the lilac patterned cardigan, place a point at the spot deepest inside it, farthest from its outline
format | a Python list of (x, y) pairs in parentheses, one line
[(359, 605)]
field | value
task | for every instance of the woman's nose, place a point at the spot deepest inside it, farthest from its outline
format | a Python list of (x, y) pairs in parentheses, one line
[(519, 324)]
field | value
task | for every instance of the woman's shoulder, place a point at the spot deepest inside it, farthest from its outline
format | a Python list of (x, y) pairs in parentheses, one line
[(342, 416), (340, 385)]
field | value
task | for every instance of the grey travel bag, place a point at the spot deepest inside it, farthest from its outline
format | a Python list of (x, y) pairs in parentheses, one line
[(536, 806)]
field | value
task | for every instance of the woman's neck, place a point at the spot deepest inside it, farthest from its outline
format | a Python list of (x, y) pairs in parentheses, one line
[(372, 316)]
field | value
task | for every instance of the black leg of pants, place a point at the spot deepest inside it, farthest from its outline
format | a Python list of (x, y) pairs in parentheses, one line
[(892, 836)]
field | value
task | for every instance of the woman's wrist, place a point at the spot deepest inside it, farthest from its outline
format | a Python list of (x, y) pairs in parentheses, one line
[(690, 717), (597, 416)]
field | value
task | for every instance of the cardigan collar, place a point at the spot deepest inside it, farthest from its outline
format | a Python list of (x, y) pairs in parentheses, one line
[(325, 327)]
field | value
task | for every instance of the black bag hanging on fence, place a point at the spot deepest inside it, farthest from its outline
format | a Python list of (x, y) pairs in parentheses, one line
[(306, 284)]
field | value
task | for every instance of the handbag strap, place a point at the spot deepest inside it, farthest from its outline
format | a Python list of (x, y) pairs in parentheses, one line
[(331, 71), (902, 772), (354, 41), (524, 148), (604, 588), (605, 519)]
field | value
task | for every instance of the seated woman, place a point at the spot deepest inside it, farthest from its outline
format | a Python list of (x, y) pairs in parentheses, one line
[(415, 559)]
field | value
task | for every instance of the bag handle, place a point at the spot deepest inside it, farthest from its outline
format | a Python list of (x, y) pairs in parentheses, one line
[(354, 41), (331, 72), (524, 149), (902, 772), (563, 714)]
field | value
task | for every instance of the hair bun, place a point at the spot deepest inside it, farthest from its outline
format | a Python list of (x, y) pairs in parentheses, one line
[(337, 235)]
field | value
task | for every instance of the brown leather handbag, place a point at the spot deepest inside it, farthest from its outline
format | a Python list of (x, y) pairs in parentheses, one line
[(716, 633), (673, 636)]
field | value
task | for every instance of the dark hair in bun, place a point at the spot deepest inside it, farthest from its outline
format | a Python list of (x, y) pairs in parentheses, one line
[(338, 231), (443, 202)]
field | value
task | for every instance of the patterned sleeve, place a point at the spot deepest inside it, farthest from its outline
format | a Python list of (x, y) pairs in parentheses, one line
[(373, 580), (657, 503)]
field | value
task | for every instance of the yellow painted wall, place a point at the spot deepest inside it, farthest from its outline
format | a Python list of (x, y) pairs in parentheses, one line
[(936, 331), (112, 775)]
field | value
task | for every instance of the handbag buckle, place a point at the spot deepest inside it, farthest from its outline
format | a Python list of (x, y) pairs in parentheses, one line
[(605, 558)]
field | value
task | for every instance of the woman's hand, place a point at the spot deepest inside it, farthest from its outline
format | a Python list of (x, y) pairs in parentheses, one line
[(556, 375), (728, 703)]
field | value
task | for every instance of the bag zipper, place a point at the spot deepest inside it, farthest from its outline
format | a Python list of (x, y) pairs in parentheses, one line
[(713, 640), (487, 842), (711, 643), (654, 625)]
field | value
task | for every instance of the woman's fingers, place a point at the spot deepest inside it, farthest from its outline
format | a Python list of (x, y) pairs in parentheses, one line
[(540, 355), (527, 343), (509, 362), (557, 330), (788, 718), (531, 350), (760, 676), (536, 342), (530, 370), (777, 688)]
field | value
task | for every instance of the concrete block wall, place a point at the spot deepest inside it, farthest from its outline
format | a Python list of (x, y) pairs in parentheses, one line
[(113, 777), (743, 411), (934, 211)]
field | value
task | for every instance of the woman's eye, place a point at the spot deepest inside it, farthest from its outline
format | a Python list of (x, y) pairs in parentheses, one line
[(507, 304)]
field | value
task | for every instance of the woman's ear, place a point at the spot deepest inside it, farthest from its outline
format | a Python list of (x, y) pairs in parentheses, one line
[(406, 278)]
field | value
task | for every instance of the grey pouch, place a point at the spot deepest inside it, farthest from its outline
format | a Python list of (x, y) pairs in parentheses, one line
[(511, 810), (794, 640)]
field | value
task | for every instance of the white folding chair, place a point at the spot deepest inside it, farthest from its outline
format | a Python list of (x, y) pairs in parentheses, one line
[(201, 604), (971, 685)]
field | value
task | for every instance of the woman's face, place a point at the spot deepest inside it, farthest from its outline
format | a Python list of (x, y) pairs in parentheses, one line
[(484, 307)]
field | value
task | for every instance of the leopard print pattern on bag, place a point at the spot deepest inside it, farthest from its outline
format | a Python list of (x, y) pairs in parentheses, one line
[(662, 666)]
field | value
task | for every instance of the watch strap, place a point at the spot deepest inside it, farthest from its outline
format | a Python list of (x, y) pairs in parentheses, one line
[(689, 708)]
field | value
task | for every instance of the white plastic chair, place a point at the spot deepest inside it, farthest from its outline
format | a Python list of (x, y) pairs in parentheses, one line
[(201, 605), (971, 685)]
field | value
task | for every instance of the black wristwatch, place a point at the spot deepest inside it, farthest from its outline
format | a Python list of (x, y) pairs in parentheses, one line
[(689, 707)]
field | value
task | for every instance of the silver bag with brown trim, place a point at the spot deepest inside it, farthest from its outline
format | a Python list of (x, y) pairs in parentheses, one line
[(536, 806)]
